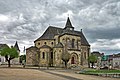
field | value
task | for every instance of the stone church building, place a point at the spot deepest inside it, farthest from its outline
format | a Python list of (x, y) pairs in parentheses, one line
[(50, 46)]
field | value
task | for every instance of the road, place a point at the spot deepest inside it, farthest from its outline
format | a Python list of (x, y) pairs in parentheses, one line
[(33, 74)]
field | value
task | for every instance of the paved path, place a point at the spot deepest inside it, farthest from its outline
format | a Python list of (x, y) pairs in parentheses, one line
[(34, 74), (27, 74), (75, 76)]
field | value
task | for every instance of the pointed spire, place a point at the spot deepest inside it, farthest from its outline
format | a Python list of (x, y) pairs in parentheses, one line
[(24, 49), (68, 24), (16, 46)]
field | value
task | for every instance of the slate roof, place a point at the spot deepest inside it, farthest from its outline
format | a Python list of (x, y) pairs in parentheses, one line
[(32, 47), (16, 46), (52, 31), (45, 46), (3, 45), (68, 24)]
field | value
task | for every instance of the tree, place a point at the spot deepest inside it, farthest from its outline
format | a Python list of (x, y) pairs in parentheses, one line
[(65, 58), (92, 59), (65, 55), (22, 57), (9, 53)]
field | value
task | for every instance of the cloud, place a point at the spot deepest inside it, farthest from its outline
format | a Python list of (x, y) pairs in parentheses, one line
[(26, 20), (111, 46)]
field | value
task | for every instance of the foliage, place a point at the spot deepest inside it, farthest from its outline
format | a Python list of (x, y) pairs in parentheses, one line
[(22, 57), (65, 55), (65, 58), (92, 59), (9, 53), (100, 71)]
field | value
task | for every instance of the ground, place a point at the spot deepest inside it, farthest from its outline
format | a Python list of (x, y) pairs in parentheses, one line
[(44, 74)]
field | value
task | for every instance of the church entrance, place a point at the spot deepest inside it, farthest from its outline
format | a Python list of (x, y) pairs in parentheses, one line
[(74, 58)]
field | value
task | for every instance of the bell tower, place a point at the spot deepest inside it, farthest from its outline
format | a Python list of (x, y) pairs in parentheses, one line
[(68, 25)]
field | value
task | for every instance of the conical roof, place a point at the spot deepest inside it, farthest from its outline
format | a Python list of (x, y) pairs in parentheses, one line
[(68, 24), (16, 46)]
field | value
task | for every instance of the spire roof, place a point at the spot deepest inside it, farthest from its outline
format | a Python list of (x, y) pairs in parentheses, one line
[(68, 24), (16, 46)]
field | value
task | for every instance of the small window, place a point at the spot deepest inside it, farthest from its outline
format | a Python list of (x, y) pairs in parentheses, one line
[(45, 43), (59, 50), (52, 43), (71, 29), (68, 38), (38, 43), (43, 55)]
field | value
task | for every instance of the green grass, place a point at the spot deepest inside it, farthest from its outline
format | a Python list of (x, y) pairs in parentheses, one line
[(93, 71), (102, 71)]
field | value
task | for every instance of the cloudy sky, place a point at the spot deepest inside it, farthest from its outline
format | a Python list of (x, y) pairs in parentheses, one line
[(26, 20)]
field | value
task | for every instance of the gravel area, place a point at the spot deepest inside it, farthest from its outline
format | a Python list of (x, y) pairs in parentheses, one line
[(26, 74), (19, 73)]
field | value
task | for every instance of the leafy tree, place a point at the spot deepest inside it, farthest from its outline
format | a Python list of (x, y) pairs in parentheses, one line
[(65, 55), (92, 59), (9, 53), (65, 58), (22, 57)]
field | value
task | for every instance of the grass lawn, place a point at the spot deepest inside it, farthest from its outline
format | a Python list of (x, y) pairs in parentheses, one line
[(94, 71)]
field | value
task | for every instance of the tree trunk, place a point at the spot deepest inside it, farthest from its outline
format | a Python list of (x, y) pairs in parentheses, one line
[(9, 63), (92, 64)]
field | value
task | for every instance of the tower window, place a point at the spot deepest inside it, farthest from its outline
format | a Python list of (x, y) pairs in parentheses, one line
[(43, 55), (45, 43), (77, 44), (71, 28), (73, 43)]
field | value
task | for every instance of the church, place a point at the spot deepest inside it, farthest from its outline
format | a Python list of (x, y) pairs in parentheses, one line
[(48, 49)]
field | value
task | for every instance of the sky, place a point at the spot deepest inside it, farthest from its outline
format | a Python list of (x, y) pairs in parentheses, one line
[(26, 20)]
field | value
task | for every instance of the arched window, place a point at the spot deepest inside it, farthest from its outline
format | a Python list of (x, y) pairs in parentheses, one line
[(45, 43), (73, 43), (51, 55), (85, 55), (43, 55), (51, 43)]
